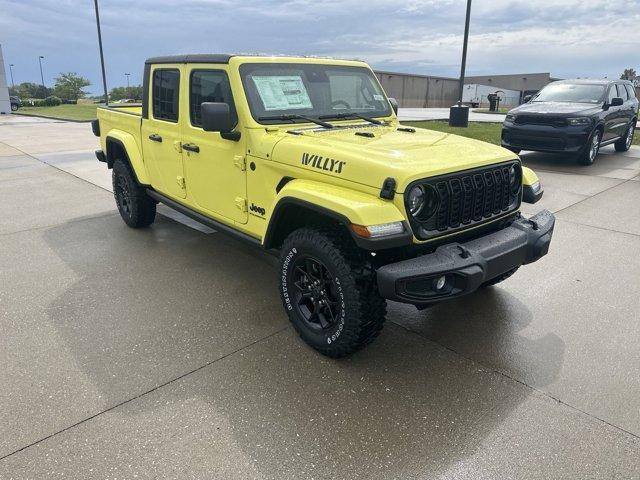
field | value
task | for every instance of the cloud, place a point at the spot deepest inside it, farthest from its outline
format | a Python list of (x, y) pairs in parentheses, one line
[(565, 37)]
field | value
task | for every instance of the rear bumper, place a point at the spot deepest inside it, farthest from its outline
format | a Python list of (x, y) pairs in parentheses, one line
[(466, 266), (545, 138)]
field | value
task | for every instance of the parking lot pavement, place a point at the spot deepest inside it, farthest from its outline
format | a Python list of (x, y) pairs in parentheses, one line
[(165, 353)]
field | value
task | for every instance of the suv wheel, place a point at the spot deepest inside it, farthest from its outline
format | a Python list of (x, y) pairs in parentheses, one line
[(136, 208), (329, 291), (590, 150), (624, 144), (14, 107)]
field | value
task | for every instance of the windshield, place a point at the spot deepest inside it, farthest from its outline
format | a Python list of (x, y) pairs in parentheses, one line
[(280, 92), (574, 93)]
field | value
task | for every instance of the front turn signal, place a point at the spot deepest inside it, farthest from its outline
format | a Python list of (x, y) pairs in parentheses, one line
[(377, 231)]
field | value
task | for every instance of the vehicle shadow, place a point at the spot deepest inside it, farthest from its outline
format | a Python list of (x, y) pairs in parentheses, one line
[(150, 306), (486, 327)]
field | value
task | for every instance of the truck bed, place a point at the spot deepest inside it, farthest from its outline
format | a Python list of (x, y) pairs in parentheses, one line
[(124, 118)]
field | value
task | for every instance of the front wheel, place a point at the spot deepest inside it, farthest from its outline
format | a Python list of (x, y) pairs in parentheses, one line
[(329, 291), (590, 150), (624, 144), (14, 107)]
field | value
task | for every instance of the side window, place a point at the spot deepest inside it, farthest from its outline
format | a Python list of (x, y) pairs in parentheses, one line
[(613, 93), (630, 91), (622, 92), (166, 88), (209, 86)]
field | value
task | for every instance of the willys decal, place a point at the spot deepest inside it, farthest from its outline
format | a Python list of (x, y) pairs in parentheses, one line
[(323, 163)]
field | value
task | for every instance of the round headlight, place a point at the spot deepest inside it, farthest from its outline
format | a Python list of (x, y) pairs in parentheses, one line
[(415, 200), (431, 202), (514, 178)]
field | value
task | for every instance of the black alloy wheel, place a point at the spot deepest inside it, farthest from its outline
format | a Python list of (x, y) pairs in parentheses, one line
[(317, 295)]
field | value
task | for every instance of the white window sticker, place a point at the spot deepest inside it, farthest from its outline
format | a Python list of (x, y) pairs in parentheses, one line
[(282, 93), (378, 97)]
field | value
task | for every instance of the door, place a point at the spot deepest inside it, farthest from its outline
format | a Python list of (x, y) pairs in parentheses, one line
[(215, 168), (613, 116), (161, 133), (628, 109)]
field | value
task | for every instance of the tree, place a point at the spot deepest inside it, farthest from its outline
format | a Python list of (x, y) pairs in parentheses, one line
[(631, 75), (27, 90), (70, 85), (118, 93)]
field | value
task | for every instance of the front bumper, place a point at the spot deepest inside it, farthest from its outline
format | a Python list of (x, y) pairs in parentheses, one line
[(466, 266), (545, 138)]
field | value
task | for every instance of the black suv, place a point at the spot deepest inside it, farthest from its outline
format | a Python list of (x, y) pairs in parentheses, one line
[(16, 103), (574, 116)]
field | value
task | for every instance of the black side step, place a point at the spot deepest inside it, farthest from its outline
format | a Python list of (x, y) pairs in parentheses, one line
[(209, 222)]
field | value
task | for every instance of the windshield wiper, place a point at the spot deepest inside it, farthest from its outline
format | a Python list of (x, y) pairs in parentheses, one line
[(353, 115), (297, 117)]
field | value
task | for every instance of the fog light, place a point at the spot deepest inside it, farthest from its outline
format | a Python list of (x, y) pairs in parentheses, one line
[(441, 282)]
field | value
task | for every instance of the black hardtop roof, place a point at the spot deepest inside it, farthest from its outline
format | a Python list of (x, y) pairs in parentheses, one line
[(191, 58), (219, 58)]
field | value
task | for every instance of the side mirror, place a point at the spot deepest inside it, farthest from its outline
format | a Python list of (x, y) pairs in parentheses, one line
[(527, 98), (216, 117), (616, 102), (394, 104)]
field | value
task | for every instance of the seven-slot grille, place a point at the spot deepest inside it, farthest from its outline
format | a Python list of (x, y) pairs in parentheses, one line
[(529, 119), (471, 197)]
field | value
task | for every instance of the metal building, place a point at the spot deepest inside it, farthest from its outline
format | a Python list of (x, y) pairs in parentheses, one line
[(523, 82), (5, 104), (419, 91)]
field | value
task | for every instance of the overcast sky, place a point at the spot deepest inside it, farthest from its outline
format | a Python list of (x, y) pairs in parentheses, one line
[(565, 37)]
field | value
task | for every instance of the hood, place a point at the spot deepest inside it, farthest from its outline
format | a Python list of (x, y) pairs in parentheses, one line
[(368, 154), (557, 108)]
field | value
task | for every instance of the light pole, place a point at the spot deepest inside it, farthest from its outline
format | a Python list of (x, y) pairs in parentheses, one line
[(41, 75), (104, 75), (459, 114), (11, 65), (127, 75)]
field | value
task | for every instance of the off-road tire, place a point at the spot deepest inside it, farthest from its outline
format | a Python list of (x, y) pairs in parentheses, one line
[(362, 310), (136, 208), (625, 142), (14, 107), (586, 156), (499, 278)]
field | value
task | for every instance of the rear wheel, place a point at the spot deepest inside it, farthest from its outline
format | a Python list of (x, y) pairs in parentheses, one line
[(590, 150), (14, 107), (329, 291), (624, 144), (136, 208)]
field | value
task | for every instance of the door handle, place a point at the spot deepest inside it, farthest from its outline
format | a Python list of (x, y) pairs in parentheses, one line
[(155, 137), (190, 147)]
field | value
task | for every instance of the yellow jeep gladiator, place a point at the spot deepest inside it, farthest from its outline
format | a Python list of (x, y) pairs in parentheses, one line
[(306, 158)]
